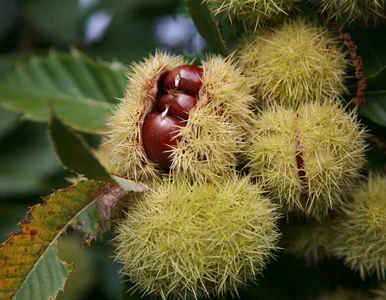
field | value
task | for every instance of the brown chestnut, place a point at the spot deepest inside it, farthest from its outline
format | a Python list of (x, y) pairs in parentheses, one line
[(185, 78), (178, 104), (158, 135), (300, 161)]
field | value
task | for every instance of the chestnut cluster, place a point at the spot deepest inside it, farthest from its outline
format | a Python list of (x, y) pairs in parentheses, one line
[(178, 93)]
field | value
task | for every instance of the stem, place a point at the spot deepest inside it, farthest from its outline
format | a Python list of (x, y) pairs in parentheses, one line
[(356, 59)]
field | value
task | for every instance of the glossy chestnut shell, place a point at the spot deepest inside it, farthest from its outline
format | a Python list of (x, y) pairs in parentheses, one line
[(159, 135), (178, 104), (185, 78)]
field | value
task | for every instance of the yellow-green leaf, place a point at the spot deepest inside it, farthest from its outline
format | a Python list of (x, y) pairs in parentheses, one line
[(29, 266)]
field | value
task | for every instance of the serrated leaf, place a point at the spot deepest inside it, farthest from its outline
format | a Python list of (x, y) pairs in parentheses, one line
[(75, 155), (48, 277), (29, 267), (375, 108), (9, 60), (206, 25), (81, 91)]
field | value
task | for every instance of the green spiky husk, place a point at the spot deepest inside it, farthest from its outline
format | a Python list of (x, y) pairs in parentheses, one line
[(127, 156), (309, 240), (297, 63), (361, 233), (350, 10), (214, 137), (202, 239), (253, 13), (211, 141), (330, 142)]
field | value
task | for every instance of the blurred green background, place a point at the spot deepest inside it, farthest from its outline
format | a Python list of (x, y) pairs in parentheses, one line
[(126, 31)]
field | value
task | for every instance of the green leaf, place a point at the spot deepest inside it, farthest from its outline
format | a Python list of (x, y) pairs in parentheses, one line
[(29, 266), (206, 25), (375, 108), (75, 155), (8, 62), (81, 91), (47, 277)]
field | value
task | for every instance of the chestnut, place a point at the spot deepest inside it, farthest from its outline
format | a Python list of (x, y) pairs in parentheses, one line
[(300, 161), (178, 104), (185, 78), (159, 135)]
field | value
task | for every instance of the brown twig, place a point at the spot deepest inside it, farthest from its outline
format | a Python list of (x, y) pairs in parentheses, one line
[(359, 100)]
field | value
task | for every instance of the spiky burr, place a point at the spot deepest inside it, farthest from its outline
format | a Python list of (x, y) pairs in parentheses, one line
[(253, 13), (351, 10), (197, 239), (299, 62), (361, 233), (307, 158)]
